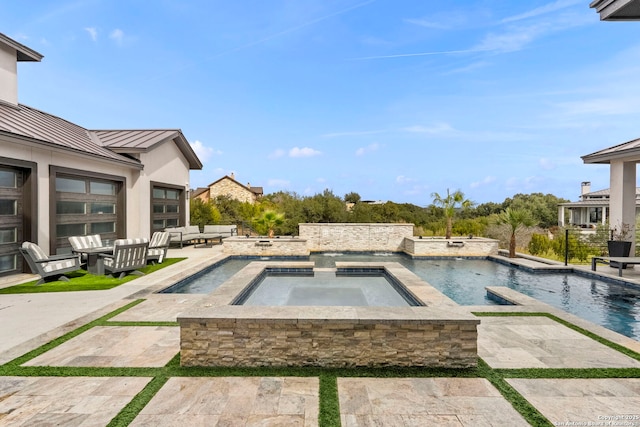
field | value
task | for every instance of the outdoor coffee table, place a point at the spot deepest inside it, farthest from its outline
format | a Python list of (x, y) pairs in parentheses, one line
[(95, 263)]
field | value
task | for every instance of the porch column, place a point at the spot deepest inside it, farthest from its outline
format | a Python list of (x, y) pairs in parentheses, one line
[(622, 202), (560, 216)]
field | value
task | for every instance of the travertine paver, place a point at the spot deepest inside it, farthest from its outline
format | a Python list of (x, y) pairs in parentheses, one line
[(159, 308), (540, 342), (231, 401), (65, 401), (405, 402), (115, 346), (594, 402)]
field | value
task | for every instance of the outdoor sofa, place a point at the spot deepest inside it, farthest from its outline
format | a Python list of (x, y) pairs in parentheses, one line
[(192, 233)]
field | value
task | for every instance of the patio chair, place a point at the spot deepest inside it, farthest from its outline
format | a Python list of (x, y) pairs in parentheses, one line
[(49, 268), (128, 256), (78, 243), (158, 247)]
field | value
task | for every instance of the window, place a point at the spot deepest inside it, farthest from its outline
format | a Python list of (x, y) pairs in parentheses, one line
[(70, 185), (8, 207), (104, 188), (103, 227), (70, 208), (8, 235), (8, 178), (7, 262), (103, 208), (67, 230), (165, 207)]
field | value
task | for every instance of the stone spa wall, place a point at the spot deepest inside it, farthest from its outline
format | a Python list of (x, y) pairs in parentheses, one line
[(355, 237), (454, 247)]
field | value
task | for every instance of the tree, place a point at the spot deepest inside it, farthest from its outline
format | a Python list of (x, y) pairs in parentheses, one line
[(268, 221), (352, 197), (516, 219), (449, 204), (203, 213), (543, 207)]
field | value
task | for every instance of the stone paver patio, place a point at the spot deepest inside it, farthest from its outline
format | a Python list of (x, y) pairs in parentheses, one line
[(504, 342)]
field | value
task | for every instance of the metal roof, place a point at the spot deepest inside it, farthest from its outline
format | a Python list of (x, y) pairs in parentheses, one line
[(627, 151), (24, 53), (46, 129), (142, 140)]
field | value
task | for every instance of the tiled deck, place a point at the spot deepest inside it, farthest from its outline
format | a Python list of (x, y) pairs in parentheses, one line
[(504, 342)]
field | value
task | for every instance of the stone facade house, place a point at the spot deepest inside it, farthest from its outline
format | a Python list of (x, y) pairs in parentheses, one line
[(59, 179), (228, 186)]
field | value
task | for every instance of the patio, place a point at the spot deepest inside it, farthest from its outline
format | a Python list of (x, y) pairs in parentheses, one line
[(86, 379)]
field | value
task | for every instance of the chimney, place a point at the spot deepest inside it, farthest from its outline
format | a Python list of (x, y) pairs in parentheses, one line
[(232, 176), (248, 184), (12, 52), (586, 188)]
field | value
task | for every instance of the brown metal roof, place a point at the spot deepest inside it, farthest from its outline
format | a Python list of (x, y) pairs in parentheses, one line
[(142, 140), (50, 130)]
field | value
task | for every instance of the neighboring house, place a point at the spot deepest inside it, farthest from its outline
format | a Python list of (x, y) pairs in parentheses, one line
[(58, 179), (592, 208), (617, 10), (228, 186)]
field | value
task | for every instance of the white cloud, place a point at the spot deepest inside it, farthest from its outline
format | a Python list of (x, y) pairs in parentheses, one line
[(487, 180), (276, 154), (303, 152), (547, 8), (321, 180), (93, 33), (368, 149), (401, 179), (427, 24), (437, 129), (117, 35), (278, 183), (204, 152), (546, 163)]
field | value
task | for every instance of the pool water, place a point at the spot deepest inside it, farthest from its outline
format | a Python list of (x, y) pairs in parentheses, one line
[(324, 288), (614, 306)]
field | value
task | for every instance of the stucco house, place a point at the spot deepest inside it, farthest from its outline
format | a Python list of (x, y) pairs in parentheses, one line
[(59, 179), (228, 186), (591, 210)]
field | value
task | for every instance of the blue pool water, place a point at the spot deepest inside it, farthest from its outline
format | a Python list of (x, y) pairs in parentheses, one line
[(612, 305)]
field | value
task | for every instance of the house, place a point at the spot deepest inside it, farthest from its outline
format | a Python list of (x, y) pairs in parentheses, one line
[(58, 179), (592, 208), (228, 186), (617, 10)]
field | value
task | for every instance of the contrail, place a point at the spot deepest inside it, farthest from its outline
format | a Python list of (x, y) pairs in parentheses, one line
[(405, 55)]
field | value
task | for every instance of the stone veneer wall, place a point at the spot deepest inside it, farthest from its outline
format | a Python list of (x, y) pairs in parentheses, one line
[(235, 336), (226, 187), (456, 247), (240, 245), (355, 237)]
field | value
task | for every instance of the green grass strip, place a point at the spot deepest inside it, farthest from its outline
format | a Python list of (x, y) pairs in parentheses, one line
[(140, 400), (519, 403), (620, 348), (587, 373), (329, 410), (77, 371), (138, 323), (81, 280), (69, 335)]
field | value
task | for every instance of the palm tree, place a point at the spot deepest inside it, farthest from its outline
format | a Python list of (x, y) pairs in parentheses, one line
[(450, 203), (516, 219), (269, 220)]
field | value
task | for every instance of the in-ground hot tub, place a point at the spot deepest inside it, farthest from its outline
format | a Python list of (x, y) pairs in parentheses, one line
[(433, 332)]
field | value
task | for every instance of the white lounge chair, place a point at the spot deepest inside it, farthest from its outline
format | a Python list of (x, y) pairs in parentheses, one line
[(49, 267), (128, 256)]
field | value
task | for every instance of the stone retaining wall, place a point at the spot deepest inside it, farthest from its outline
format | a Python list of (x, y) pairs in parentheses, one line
[(455, 247), (239, 245), (236, 336), (355, 237)]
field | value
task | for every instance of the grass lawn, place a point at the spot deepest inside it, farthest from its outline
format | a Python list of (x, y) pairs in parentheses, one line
[(81, 280)]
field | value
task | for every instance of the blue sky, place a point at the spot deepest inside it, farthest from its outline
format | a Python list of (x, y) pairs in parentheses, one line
[(394, 100)]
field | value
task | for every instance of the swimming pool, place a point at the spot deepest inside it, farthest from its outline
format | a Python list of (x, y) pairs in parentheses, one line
[(612, 305)]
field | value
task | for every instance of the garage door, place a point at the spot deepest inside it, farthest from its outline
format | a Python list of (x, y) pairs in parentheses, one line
[(11, 219)]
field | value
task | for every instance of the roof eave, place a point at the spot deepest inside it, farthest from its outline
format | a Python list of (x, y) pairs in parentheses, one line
[(24, 53), (629, 155)]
